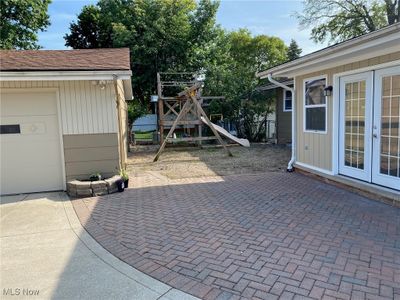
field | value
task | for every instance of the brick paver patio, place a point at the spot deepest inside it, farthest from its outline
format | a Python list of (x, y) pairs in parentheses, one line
[(253, 236)]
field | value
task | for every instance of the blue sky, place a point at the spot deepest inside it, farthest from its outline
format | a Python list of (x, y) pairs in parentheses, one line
[(271, 17)]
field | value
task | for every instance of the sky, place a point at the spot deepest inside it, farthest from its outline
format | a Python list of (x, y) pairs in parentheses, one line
[(270, 17)]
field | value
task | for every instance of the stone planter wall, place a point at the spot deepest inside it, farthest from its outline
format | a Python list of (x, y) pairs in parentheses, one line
[(77, 188)]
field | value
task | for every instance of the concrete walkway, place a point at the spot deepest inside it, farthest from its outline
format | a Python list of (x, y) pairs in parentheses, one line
[(46, 254)]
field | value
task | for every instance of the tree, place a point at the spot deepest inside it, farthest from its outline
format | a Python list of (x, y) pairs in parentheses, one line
[(293, 51), (335, 21), (231, 72), (168, 35), (86, 32), (21, 20)]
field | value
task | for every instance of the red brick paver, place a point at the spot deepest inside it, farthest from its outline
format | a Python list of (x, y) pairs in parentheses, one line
[(259, 236)]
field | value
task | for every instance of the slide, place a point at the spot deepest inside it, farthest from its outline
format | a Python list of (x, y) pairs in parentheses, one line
[(243, 142)]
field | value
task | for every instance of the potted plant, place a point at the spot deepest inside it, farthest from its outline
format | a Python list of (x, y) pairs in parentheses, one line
[(95, 177), (125, 177), (120, 185)]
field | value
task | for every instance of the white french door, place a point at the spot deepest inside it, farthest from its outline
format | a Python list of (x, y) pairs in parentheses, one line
[(386, 132), (369, 133), (355, 125)]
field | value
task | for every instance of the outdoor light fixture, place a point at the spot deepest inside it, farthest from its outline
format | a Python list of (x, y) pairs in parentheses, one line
[(328, 91), (101, 83)]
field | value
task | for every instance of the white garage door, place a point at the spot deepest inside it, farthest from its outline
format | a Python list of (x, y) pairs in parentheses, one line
[(30, 143)]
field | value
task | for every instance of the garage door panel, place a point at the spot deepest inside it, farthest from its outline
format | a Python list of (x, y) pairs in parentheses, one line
[(31, 160), (39, 127), (28, 104), (44, 152)]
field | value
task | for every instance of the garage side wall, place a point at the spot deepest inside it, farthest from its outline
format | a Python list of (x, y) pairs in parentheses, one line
[(315, 149), (90, 153), (88, 118)]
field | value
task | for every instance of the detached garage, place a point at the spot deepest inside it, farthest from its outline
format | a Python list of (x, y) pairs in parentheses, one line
[(62, 116)]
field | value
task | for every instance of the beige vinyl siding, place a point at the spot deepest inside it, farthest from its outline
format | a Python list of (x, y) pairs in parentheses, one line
[(89, 153), (315, 149), (85, 107), (283, 120)]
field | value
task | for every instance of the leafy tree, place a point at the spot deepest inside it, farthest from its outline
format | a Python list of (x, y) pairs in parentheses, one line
[(293, 51), (337, 21), (86, 32), (168, 35), (20, 22), (231, 72)]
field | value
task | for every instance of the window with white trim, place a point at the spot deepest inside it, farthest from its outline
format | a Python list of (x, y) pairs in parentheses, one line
[(315, 105), (287, 100)]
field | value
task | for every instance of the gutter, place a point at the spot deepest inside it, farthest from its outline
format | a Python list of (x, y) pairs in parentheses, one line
[(64, 75), (290, 167)]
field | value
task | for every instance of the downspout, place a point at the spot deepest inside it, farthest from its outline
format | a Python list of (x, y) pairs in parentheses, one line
[(294, 134), (121, 145)]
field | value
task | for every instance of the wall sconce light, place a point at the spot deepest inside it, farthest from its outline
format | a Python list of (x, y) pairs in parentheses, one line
[(100, 83), (328, 91)]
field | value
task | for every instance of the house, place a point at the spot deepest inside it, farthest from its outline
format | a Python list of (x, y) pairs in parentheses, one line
[(345, 111), (63, 116), (283, 109)]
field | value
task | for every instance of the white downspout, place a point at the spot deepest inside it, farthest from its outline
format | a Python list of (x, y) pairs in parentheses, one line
[(292, 90)]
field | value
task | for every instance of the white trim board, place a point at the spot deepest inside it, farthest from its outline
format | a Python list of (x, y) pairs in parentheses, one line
[(61, 137), (64, 75), (327, 172)]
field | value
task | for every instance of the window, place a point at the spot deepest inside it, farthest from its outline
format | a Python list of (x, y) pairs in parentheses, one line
[(287, 100), (10, 129), (315, 105)]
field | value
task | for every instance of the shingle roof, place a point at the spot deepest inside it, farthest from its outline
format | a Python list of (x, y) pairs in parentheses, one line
[(65, 60)]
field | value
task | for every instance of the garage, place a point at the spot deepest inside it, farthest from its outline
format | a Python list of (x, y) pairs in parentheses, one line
[(31, 151), (63, 116)]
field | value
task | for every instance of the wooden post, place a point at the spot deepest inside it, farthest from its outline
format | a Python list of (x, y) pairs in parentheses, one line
[(210, 125), (181, 113), (161, 119), (160, 109)]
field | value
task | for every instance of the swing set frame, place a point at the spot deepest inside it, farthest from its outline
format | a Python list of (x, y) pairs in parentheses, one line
[(182, 110)]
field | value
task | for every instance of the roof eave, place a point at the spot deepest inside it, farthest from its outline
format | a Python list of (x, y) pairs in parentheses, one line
[(385, 40)]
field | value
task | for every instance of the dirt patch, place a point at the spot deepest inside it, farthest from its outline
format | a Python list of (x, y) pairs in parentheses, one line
[(195, 162)]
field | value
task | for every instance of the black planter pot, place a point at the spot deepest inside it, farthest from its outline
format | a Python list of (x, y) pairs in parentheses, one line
[(120, 185), (126, 183)]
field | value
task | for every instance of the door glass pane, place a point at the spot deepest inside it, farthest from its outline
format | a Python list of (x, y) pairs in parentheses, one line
[(390, 119), (355, 124)]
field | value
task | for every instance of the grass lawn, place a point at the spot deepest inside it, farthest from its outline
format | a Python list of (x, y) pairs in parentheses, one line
[(144, 135)]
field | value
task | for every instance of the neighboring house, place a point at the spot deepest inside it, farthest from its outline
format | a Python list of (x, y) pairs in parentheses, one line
[(346, 110), (63, 116), (283, 110)]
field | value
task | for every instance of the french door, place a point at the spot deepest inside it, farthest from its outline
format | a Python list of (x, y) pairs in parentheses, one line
[(355, 125), (386, 134), (369, 135)]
